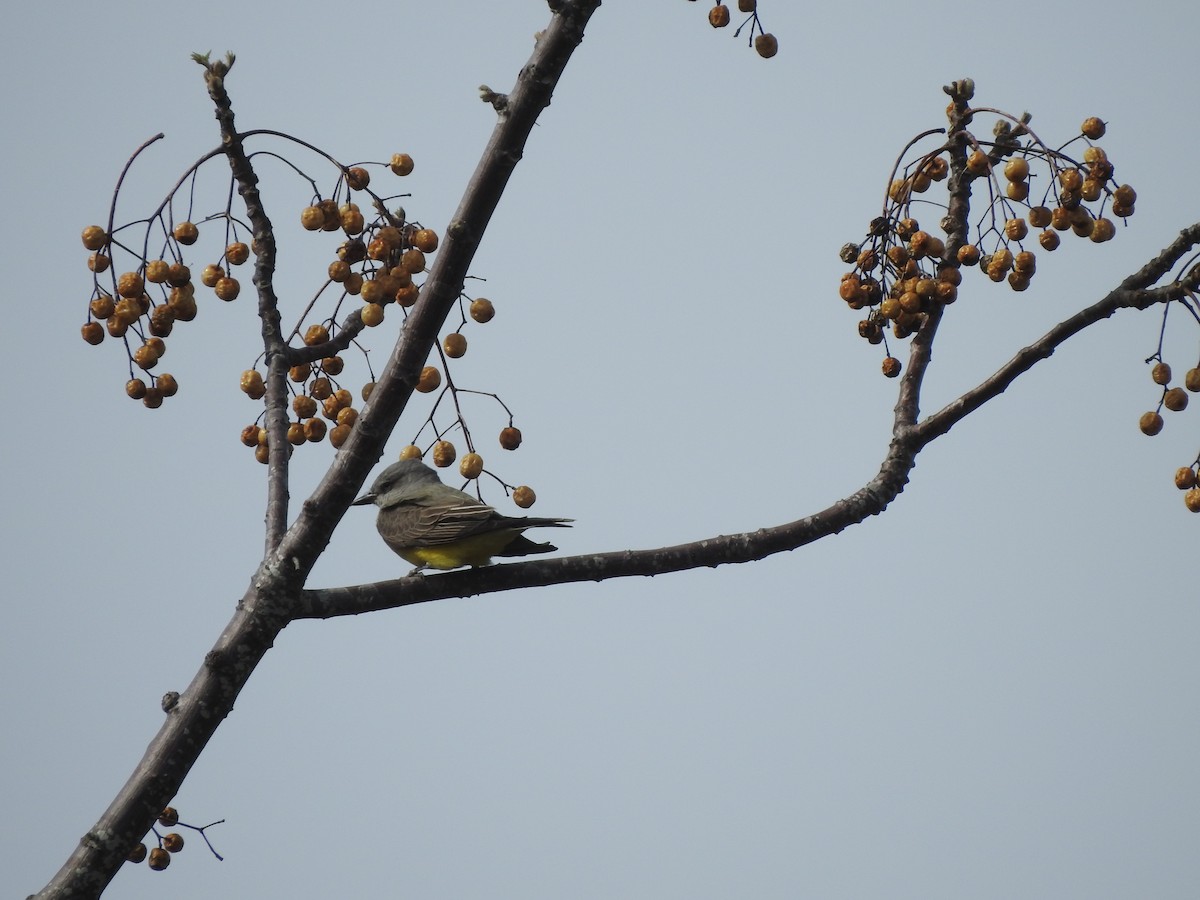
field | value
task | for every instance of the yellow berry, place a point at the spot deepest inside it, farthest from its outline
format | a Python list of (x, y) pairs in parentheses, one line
[(252, 384), (524, 496), (1176, 399), (1092, 128), (94, 237), (455, 345), (312, 218), (1016, 169), (316, 334), (186, 233), (410, 451), (443, 454), (482, 310), (98, 263), (429, 380), (471, 465), (371, 314)]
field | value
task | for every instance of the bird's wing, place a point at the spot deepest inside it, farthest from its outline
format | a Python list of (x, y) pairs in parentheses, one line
[(406, 525)]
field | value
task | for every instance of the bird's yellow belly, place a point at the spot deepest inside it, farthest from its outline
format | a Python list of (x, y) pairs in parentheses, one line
[(476, 550)]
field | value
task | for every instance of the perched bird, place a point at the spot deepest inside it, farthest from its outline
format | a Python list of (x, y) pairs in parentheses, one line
[(435, 526)]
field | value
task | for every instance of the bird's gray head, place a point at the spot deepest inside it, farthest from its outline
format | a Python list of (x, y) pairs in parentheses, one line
[(399, 478)]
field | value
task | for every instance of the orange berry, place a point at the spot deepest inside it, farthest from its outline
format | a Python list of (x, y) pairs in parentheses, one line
[(332, 365), (153, 398), (316, 334), (402, 163), (172, 842), (249, 436), (1015, 229), (891, 367), (1049, 240), (252, 384), (237, 253), (167, 384), (1176, 399), (1092, 128), (300, 373), (186, 233), (130, 284), (314, 430), (211, 274), (407, 295), (1124, 195), (137, 854), (1192, 499), (262, 453), (98, 263), (747, 6), (347, 416), (338, 435), (425, 240), (524, 496), (135, 389), (145, 357), (1191, 380), (159, 859), (455, 345), (718, 16), (304, 406), (295, 434), (178, 274), (1185, 478), (227, 288), (157, 271), (766, 45), (1150, 423), (94, 237), (367, 390), (93, 332), (358, 178), (410, 451), (510, 438), (1039, 216), (1161, 373), (978, 163)]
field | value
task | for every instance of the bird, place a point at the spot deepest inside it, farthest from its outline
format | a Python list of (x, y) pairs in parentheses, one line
[(435, 526)]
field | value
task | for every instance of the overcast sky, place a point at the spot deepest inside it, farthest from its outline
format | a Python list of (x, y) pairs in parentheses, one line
[(989, 691)]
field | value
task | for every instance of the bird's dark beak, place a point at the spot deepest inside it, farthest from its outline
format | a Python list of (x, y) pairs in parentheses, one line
[(366, 498)]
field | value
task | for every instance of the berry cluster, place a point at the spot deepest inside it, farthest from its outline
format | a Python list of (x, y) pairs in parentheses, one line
[(379, 261), (1174, 399), (901, 270), (141, 307), (764, 44), (159, 857)]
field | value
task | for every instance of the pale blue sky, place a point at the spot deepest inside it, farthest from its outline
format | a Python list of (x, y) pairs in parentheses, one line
[(988, 692)]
